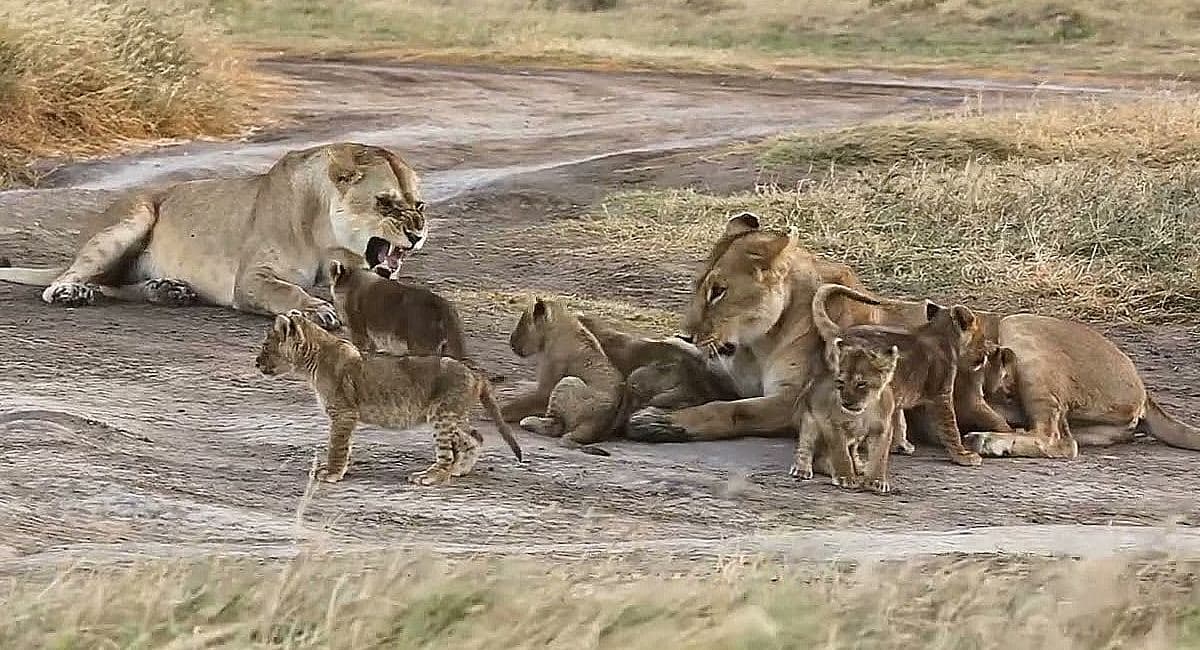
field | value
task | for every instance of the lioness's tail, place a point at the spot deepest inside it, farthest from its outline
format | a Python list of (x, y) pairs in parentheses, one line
[(1168, 430), (488, 401), (37, 277), (829, 329)]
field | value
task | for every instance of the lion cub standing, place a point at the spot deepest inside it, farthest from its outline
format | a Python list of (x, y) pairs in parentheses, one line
[(394, 317), (929, 358), (387, 391), (851, 405), (578, 393)]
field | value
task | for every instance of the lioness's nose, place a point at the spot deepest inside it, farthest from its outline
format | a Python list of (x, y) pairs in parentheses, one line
[(413, 236)]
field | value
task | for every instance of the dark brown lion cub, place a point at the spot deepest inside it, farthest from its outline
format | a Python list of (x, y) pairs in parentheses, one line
[(390, 316)]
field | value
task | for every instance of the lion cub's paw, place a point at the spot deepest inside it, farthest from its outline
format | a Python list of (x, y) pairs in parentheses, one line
[(847, 482), (544, 426), (173, 293), (801, 470), (878, 486), (431, 476), (71, 294), (966, 459), (324, 475), (904, 447), (324, 315)]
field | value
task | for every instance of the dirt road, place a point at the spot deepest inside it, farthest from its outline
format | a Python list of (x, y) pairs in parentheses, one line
[(127, 429)]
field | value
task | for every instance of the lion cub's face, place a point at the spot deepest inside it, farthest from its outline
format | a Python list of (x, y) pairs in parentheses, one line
[(279, 347), (529, 336), (861, 374), (999, 376), (742, 292)]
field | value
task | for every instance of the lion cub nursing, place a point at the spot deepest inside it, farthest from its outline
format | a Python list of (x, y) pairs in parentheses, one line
[(387, 391), (876, 372)]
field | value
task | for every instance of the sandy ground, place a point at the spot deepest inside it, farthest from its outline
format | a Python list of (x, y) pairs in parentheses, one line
[(129, 429)]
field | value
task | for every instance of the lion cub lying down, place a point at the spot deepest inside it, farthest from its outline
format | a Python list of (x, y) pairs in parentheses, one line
[(928, 363), (388, 391), (578, 393)]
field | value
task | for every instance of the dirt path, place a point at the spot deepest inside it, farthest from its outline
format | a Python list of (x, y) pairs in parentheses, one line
[(131, 429)]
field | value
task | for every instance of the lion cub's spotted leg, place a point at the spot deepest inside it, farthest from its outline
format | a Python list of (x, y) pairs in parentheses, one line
[(806, 441), (947, 430), (80, 283), (879, 449), (448, 426), (342, 421), (843, 474), (900, 443), (466, 452)]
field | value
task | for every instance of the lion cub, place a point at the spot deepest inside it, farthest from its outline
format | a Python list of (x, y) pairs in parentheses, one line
[(929, 357), (387, 391), (578, 393), (394, 317), (851, 405)]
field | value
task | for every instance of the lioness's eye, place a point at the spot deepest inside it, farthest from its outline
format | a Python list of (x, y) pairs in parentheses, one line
[(715, 293)]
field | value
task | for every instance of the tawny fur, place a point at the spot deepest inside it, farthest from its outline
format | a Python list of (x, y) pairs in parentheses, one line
[(753, 298), (256, 244), (929, 357), (850, 406), (578, 392), (390, 316), (387, 391)]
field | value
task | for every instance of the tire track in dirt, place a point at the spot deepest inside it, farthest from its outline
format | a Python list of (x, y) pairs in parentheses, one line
[(135, 429)]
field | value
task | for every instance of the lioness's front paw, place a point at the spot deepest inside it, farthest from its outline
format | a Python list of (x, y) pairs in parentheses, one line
[(654, 425), (324, 315), (543, 426), (174, 293), (325, 475), (71, 294), (966, 458), (431, 476)]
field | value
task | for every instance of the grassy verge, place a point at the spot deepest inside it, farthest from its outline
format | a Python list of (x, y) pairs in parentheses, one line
[(79, 78), (1082, 211), (1083, 35), (403, 601)]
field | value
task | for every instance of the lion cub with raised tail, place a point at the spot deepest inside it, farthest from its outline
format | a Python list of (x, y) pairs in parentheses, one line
[(578, 393), (396, 392), (390, 316), (847, 407)]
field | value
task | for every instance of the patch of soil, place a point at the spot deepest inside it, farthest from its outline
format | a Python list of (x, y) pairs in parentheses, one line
[(137, 429)]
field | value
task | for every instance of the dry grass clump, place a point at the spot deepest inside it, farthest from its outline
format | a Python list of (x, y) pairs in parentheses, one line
[(1082, 239), (1155, 131), (1125, 35), (77, 77), (406, 601)]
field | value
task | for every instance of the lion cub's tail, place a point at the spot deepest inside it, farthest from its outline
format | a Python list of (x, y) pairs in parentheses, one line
[(488, 400), (829, 329), (1168, 430)]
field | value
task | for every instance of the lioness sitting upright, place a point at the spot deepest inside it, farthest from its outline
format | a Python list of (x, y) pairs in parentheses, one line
[(929, 357), (851, 405), (384, 390), (394, 317), (255, 243), (578, 389)]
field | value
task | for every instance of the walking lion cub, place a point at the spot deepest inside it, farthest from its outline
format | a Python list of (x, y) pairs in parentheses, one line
[(387, 391)]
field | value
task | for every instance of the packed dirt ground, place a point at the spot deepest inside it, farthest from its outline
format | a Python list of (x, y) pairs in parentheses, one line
[(136, 429)]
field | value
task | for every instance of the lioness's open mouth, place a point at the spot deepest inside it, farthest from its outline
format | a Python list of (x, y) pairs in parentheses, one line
[(384, 255)]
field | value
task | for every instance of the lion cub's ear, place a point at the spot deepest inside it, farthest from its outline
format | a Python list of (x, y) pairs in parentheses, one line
[(539, 309), (1007, 357), (283, 326), (963, 316), (336, 270), (740, 223), (932, 309)]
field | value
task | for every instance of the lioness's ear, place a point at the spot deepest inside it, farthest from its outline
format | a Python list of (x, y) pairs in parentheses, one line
[(539, 309), (768, 254), (741, 223), (963, 316), (932, 309), (342, 166)]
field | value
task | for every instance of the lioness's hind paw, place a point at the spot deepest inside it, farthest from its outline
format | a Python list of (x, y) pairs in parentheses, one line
[(654, 425), (71, 294), (173, 293)]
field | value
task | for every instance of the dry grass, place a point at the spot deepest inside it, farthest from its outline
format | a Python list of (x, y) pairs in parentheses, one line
[(1156, 131), (77, 78), (406, 601), (1105, 35), (506, 306)]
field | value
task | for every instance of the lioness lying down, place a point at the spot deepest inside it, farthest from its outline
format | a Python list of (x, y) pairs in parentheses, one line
[(254, 243)]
